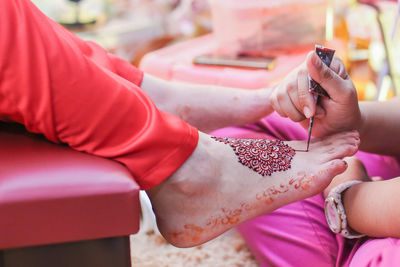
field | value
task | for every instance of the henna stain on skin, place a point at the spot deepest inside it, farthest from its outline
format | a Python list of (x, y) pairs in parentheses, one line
[(262, 156), (268, 194), (191, 233), (303, 181), (322, 172), (194, 232), (231, 217)]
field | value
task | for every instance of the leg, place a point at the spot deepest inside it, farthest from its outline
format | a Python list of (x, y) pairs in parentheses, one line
[(53, 87), (299, 232), (213, 168), (383, 252), (59, 86), (294, 235), (300, 237)]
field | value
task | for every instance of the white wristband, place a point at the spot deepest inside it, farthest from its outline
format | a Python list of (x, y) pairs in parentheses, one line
[(335, 213)]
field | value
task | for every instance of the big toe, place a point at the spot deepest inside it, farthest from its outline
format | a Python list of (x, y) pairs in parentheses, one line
[(337, 146), (329, 170)]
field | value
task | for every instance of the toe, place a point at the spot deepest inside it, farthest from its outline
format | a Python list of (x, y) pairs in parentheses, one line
[(341, 150), (337, 146), (330, 169)]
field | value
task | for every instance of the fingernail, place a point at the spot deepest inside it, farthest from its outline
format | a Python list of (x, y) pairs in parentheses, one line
[(307, 112)]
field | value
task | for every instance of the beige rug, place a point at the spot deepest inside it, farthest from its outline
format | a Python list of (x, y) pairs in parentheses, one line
[(149, 249)]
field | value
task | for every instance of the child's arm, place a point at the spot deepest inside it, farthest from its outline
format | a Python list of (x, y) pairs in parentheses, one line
[(372, 208)]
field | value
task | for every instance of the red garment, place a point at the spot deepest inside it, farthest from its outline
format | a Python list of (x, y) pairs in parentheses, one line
[(74, 92)]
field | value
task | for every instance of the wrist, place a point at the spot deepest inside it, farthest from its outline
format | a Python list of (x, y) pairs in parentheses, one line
[(361, 125), (336, 182), (335, 212), (349, 200)]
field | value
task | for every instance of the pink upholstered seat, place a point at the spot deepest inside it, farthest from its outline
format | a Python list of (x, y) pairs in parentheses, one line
[(52, 194)]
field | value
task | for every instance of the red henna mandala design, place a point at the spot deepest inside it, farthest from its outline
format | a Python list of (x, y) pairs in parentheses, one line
[(262, 156)]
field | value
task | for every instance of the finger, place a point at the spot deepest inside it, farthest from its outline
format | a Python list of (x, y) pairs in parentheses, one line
[(275, 105), (305, 98), (338, 67), (294, 99), (288, 107), (337, 87)]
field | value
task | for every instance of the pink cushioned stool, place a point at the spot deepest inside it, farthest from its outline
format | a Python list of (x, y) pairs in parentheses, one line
[(60, 207)]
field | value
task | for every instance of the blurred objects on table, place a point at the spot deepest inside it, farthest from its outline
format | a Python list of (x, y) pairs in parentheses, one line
[(369, 30), (361, 31), (78, 19), (131, 28), (268, 27), (174, 63)]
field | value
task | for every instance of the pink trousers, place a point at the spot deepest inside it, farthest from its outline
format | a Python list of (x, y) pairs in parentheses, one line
[(297, 234)]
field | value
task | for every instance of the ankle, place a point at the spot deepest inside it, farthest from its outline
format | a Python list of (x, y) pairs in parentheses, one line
[(198, 171)]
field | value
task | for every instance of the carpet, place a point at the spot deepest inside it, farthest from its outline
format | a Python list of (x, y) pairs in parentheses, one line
[(150, 249)]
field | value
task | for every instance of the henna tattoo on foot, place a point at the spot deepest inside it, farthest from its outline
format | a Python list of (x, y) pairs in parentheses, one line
[(233, 216), (262, 156)]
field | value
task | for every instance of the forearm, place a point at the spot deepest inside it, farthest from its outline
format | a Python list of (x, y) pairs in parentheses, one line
[(208, 107), (371, 208), (380, 127)]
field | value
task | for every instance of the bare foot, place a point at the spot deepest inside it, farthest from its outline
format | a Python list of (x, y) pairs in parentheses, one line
[(228, 181)]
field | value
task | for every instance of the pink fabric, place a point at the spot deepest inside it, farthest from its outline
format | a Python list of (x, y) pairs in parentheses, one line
[(297, 234), (378, 252)]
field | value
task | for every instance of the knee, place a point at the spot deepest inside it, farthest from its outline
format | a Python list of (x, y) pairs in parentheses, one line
[(377, 253)]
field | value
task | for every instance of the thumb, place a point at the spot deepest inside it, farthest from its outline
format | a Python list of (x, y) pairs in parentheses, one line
[(337, 86)]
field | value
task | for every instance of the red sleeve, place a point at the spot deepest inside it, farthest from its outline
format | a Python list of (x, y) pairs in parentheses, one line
[(112, 62), (76, 93), (125, 69)]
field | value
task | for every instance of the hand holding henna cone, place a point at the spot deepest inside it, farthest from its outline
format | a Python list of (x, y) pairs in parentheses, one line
[(326, 55)]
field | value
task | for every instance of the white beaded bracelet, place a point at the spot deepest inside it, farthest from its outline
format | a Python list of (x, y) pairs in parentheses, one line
[(335, 213)]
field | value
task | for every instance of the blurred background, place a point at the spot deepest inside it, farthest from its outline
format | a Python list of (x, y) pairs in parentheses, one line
[(364, 33)]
